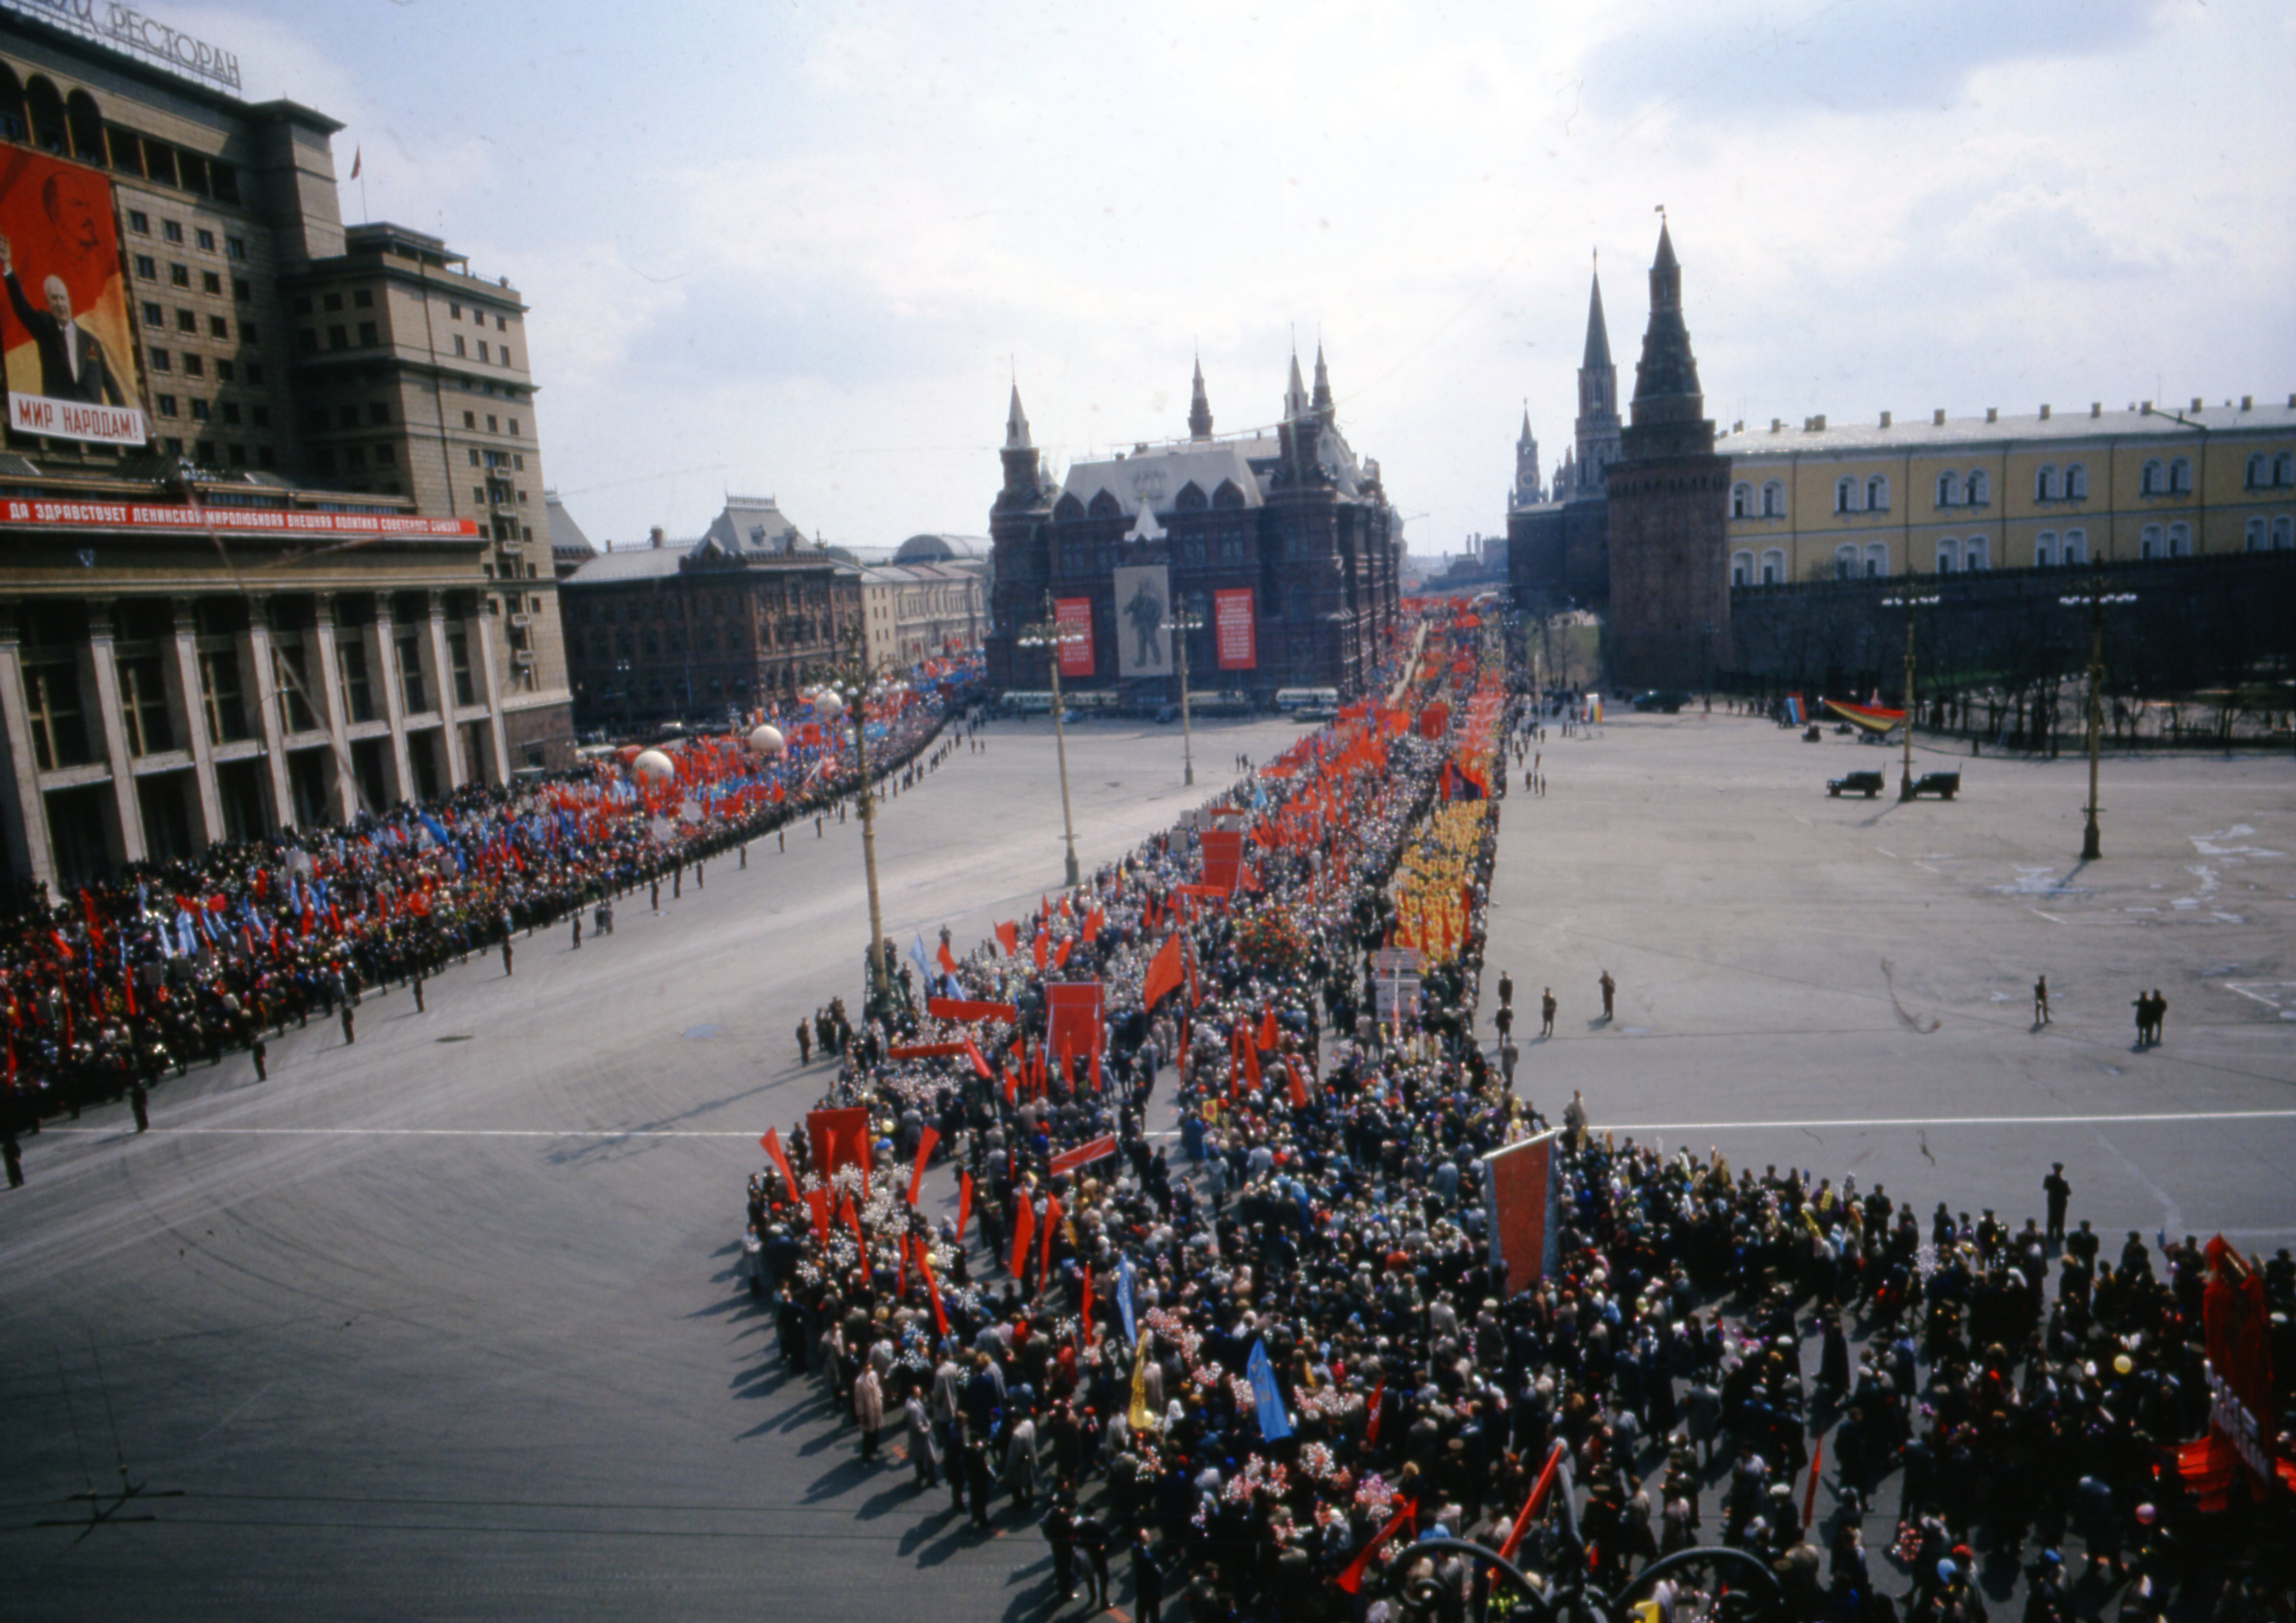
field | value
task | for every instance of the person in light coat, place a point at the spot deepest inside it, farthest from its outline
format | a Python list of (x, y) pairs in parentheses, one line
[(869, 1409)]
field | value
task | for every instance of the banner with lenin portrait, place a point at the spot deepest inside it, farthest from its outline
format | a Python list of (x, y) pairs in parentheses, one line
[(69, 353)]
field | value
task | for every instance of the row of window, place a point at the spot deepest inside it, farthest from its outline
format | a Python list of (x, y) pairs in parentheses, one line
[(2051, 550), (195, 366), (202, 410), (2172, 477), (179, 274), (155, 319), (34, 111), (57, 711), (172, 231)]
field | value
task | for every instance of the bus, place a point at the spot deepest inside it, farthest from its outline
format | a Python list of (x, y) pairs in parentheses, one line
[(1308, 703)]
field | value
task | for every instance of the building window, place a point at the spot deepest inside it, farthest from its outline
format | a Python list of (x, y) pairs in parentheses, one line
[(470, 421), (459, 344), (458, 655), (2148, 542), (52, 708), (338, 338), (363, 298), (173, 230), (1774, 566), (351, 670), (188, 321), (332, 301), (1975, 553), (2254, 540), (2151, 481), (218, 327), (154, 316), (2180, 541), (2255, 476), (179, 275), (220, 696), (1877, 494), (2180, 477), (147, 267), (165, 404), (2283, 469), (1774, 500), (2045, 484), (1877, 558), (1974, 488), (234, 248), (1949, 556), (143, 705), (160, 360), (2076, 483), (199, 407), (2076, 547), (2283, 534), (2045, 549), (194, 365), (209, 283), (138, 222), (1845, 562), (474, 457), (1845, 495)]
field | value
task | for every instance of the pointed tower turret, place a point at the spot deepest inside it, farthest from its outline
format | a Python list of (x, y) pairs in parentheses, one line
[(1023, 471), (1321, 403), (1596, 431), (1199, 407), (1668, 522), (1527, 491), (1295, 393)]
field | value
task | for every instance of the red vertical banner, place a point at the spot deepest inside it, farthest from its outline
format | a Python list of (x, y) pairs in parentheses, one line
[(1232, 635), (1223, 850), (1073, 1024), (1073, 617), (1520, 1190)]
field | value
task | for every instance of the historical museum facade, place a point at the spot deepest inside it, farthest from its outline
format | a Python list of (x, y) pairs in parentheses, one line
[(697, 631), (270, 488), (1282, 549)]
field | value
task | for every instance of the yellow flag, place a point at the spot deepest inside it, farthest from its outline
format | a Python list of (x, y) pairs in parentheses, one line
[(1137, 1416)]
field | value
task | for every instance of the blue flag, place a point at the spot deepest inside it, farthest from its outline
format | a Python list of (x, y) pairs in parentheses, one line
[(1265, 1400), (1124, 1297), (917, 956), (440, 835)]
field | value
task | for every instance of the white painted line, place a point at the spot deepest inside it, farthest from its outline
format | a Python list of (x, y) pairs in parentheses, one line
[(1944, 1121), (430, 1132)]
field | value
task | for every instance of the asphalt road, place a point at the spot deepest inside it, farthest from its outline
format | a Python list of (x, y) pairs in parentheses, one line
[(443, 1325)]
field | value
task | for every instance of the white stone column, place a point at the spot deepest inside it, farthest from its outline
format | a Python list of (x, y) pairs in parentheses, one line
[(442, 670), (262, 681), (185, 693), (23, 811), (100, 682)]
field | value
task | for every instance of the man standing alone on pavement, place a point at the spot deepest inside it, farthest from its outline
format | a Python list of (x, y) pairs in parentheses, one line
[(1546, 1012), (2041, 1001), (1574, 1120), (1610, 991), (2059, 1194)]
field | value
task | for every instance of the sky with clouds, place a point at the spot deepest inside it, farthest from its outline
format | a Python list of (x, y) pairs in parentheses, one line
[(800, 249)]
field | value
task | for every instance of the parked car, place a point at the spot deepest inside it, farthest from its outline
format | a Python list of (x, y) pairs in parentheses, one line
[(1664, 699)]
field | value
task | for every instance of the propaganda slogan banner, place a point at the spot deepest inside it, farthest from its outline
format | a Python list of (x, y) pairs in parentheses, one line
[(1231, 630), (1521, 1194), (1143, 620), (69, 355), (1073, 616)]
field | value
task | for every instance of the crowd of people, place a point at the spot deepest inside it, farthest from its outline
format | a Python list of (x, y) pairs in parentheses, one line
[(1258, 1360), (111, 988)]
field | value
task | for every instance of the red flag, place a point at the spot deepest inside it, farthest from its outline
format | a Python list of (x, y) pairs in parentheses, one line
[(1371, 1426), (772, 1142), (1024, 1230), (901, 1280), (818, 1199), (1268, 1035), (1037, 947), (1092, 921), (1299, 1083), (1008, 937), (932, 1286), (1060, 958), (1530, 1504), (925, 1143), (853, 1221), (358, 157), (1809, 1494), (1164, 972), (1351, 1580), (972, 1053), (1084, 1314), (1044, 1250), (964, 1203)]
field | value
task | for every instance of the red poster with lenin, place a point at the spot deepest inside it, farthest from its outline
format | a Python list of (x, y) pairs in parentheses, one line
[(68, 353)]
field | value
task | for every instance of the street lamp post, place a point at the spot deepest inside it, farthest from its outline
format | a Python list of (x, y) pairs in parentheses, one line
[(1048, 634), (846, 682), (2091, 848), (1909, 602), (1183, 623)]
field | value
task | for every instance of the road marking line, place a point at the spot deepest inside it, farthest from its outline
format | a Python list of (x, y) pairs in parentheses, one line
[(1948, 1121)]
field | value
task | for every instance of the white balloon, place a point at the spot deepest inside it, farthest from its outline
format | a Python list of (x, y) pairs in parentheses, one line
[(654, 766), (767, 740), (829, 703)]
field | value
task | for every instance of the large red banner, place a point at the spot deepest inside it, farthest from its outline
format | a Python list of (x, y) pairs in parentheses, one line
[(1073, 618), (840, 1138), (1074, 1020), (279, 520), (70, 359), (1520, 1189), (1231, 630), (1223, 858)]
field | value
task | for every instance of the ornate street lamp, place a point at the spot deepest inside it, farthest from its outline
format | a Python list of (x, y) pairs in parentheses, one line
[(840, 687), (2096, 597), (1909, 603), (1186, 622)]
